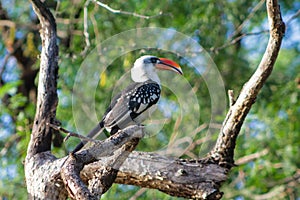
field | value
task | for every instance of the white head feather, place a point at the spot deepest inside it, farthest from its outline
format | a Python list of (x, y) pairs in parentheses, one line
[(144, 69)]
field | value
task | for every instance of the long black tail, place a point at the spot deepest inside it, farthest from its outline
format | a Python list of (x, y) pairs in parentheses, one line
[(92, 134)]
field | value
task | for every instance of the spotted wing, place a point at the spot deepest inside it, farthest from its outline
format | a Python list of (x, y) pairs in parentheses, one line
[(133, 102)]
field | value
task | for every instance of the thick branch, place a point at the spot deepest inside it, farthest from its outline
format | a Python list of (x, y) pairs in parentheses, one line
[(189, 179), (115, 148), (224, 149), (47, 96), (38, 159)]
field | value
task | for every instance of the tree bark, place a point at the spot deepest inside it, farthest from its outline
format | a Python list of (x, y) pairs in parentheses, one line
[(50, 178), (223, 151), (196, 179), (40, 163)]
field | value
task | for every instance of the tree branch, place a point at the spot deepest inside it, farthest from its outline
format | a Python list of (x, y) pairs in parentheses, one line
[(247, 19), (293, 17), (47, 95), (115, 148), (251, 157), (236, 40), (124, 12), (69, 133), (38, 161), (224, 149), (182, 178)]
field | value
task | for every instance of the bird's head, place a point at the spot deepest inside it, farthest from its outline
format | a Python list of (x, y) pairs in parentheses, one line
[(145, 67)]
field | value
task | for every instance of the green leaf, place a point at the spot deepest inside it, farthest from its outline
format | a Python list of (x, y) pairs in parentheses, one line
[(9, 88)]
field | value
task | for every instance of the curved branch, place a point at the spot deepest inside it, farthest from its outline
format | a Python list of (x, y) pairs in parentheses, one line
[(47, 95), (39, 159), (224, 149)]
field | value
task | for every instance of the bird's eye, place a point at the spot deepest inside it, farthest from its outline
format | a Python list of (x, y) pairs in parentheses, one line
[(154, 60)]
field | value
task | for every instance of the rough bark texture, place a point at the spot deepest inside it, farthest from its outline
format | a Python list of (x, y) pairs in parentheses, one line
[(40, 165), (116, 148), (183, 178), (224, 149), (47, 95), (50, 178)]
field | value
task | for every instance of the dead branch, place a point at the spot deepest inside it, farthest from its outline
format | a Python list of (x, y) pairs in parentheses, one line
[(251, 157), (47, 95), (247, 19), (115, 11), (37, 163), (224, 149), (116, 148), (69, 133), (183, 178)]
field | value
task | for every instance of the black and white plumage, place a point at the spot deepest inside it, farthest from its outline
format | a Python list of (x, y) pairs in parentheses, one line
[(135, 103)]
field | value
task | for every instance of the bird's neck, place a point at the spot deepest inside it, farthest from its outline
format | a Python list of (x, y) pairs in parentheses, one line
[(139, 76)]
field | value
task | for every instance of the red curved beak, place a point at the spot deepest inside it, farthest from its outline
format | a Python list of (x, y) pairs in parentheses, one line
[(167, 64)]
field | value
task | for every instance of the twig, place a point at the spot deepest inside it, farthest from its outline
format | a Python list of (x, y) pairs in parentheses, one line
[(293, 17), (241, 26), (229, 43), (7, 23), (69, 133), (251, 157), (85, 27), (96, 30), (231, 97), (232, 40), (8, 144), (56, 8), (138, 193), (237, 39), (279, 189), (294, 178), (125, 12)]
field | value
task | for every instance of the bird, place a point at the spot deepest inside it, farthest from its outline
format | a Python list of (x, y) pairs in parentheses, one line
[(136, 102)]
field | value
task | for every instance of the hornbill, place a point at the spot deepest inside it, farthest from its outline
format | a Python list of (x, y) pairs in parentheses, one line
[(135, 103)]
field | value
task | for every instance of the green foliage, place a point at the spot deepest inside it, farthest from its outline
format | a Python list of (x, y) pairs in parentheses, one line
[(9, 88)]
